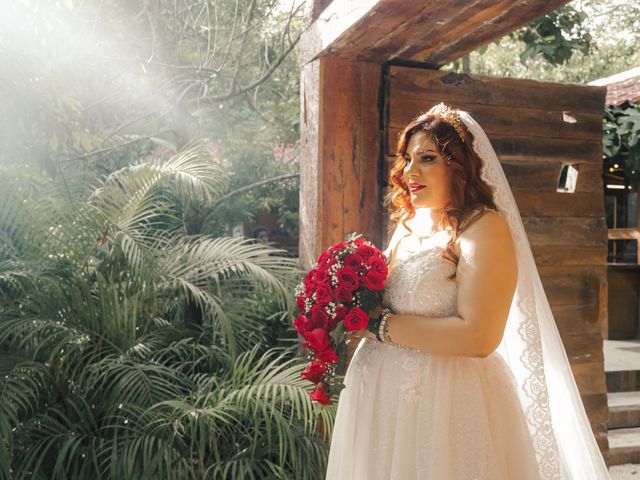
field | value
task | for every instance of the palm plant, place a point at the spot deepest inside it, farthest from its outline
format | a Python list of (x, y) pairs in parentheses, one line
[(105, 371)]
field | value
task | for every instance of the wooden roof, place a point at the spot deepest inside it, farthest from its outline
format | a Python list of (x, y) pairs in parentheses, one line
[(435, 32), (621, 87)]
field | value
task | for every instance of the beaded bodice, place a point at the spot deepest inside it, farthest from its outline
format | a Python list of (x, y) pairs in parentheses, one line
[(418, 284)]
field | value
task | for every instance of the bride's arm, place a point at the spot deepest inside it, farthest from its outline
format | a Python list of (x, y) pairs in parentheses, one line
[(486, 281)]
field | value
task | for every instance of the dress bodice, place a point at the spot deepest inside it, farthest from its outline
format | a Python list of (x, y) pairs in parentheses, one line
[(418, 284)]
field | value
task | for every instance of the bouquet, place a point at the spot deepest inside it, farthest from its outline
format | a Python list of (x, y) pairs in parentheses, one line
[(345, 283)]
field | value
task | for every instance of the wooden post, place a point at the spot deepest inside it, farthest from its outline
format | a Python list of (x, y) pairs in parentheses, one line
[(340, 154)]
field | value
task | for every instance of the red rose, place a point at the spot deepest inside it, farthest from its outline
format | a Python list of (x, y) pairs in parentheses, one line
[(309, 277), (319, 317), (314, 371), (320, 395), (301, 324), (323, 293), (300, 302), (310, 288), (329, 355), (366, 251), (324, 258), (378, 265), (356, 319), (373, 281), (318, 339), (342, 294), (348, 278), (341, 312), (339, 246), (322, 276), (352, 260), (332, 323)]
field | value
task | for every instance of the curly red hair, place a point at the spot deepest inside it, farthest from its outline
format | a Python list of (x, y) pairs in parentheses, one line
[(468, 190)]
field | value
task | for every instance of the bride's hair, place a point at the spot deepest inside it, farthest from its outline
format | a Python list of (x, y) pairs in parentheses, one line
[(468, 190)]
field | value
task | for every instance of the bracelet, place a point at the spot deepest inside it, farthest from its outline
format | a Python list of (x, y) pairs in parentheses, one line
[(374, 324), (382, 334)]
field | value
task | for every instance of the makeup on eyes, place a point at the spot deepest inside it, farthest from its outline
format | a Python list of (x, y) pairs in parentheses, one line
[(423, 157)]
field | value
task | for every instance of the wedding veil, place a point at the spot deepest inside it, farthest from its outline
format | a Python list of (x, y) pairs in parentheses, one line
[(565, 444)]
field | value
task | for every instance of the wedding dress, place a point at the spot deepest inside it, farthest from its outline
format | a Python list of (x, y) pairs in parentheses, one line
[(405, 414)]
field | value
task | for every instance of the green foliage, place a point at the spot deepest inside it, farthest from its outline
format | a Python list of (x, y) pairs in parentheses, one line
[(621, 139), (555, 36), (131, 349)]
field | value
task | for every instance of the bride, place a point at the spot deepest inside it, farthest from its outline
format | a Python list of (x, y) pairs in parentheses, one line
[(463, 374)]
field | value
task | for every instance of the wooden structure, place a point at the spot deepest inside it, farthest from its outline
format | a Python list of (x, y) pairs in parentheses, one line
[(369, 66)]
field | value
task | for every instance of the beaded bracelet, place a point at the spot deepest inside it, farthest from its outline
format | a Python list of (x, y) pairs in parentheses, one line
[(384, 329), (380, 333), (374, 324)]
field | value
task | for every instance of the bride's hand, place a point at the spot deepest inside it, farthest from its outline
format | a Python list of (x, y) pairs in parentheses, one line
[(359, 334)]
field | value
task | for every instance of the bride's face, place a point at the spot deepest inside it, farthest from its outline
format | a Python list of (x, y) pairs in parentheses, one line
[(425, 166)]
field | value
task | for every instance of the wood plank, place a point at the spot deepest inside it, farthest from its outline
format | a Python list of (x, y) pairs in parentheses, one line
[(575, 294), (545, 204), (465, 90), (335, 20), (588, 383), (570, 254), (577, 231), (460, 41), (539, 176), (428, 26), (577, 319), (514, 149), (501, 120), (597, 404), (582, 350), (374, 42), (543, 176), (569, 275)]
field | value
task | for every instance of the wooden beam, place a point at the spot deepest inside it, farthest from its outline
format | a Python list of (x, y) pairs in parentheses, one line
[(340, 155), (430, 31)]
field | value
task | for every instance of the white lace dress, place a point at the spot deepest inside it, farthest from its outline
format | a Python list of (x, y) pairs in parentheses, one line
[(409, 415)]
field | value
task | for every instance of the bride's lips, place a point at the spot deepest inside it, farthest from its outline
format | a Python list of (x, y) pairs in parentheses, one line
[(414, 187)]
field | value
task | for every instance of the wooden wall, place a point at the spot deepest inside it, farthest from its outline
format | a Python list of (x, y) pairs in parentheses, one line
[(535, 128)]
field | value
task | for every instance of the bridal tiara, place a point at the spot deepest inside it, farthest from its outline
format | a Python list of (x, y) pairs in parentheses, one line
[(449, 115)]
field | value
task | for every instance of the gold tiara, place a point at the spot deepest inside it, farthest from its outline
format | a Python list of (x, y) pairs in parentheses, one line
[(450, 116)]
